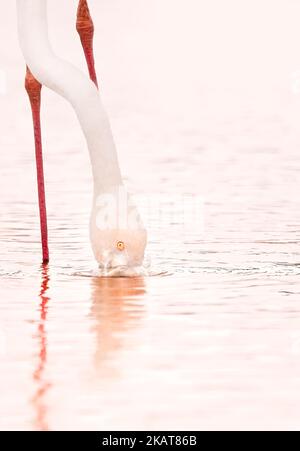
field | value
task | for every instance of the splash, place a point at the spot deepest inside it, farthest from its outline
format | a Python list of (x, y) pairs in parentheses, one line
[(124, 271)]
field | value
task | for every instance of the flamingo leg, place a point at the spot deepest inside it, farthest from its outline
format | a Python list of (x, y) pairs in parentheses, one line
[(33, 88), (85, 29)]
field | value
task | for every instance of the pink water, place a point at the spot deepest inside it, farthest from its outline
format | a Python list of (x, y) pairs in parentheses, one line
[(204, 100)]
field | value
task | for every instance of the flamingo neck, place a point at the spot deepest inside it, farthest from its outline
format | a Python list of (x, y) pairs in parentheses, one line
[(69, 82)]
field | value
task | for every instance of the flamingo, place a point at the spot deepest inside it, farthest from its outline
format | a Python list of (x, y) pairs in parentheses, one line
[(118, 236)]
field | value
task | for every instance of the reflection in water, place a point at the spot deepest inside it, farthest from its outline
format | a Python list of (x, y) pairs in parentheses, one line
[(42, 386), (117, 306)]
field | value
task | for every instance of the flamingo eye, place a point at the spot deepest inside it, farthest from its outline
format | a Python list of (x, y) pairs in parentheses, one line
[(120, 246)]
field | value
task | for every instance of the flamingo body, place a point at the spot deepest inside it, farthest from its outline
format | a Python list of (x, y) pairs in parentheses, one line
[(82, 93)]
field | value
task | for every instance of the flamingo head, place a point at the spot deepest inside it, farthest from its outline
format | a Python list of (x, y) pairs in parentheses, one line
[(118, 236)]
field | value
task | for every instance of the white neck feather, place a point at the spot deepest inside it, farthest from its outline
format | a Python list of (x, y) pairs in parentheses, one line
[(74, 86)]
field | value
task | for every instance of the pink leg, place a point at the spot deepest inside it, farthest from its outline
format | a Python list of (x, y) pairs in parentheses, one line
[(33, 88), (85, 28)]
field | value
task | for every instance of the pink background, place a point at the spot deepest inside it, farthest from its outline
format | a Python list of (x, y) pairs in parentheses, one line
[(204, 99)]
